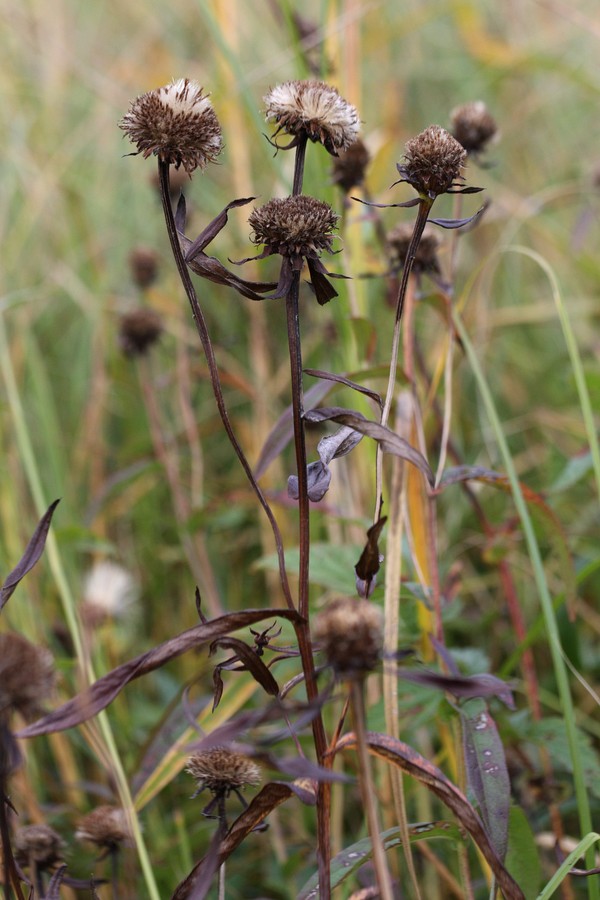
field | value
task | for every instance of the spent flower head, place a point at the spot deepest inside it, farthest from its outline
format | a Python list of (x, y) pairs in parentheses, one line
[(314, 110), (26, 675), (426, 260), (350, 166), (222, 770), (108, 590), (473, 126), (105, 826), (38, 844), (351, 634), (143, 266), (177, 124), (433, 162), (139, 330)]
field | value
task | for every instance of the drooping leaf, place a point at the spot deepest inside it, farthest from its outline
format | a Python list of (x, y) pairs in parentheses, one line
[(334, 446), (485, 764), (352, 858), (388, 440), (33, 551), (340, 379), (367, 567), (330, 447), (462, 686), (400, 754), (99, 695), (318, 476), (459, 223), (251, 662)]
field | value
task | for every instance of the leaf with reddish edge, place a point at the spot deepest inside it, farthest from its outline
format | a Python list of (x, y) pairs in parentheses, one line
[(271, 796), (485, 765), (368, 565), (98, 696), (411, 762), (33, 551), (389, 441), (340, 379)]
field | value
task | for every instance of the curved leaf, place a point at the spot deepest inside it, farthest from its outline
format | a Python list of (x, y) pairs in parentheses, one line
[(33, 551)]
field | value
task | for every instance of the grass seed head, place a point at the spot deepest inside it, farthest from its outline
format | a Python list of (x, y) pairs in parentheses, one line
[(177, 124), (26, 675), (351, 634), (433, 161), (314, 109), (473, 126)]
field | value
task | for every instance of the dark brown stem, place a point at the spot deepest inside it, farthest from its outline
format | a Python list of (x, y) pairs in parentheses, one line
[(201, 327), (299, 165)]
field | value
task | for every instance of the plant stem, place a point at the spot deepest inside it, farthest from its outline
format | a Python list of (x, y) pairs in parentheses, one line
[(202, 329)]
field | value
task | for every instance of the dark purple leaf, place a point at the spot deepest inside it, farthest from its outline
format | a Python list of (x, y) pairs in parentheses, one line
[(252, 663), (329, 376), (212, 229), (33, 551), (283, 430), (412, 763), (217, 687), (102, 692), (466, 190), (342, 442), (485, 765), (457, 223), (406, 205), (53, 890), (271, 796), (462, 686), (323, 288), (389, 441), (318, 478), (368, 565)]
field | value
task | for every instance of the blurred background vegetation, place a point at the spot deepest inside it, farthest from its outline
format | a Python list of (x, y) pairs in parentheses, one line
[(133, 446)]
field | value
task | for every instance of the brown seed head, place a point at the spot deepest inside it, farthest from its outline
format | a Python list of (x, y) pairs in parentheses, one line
[(351, 633), (143, 265), (473, 126), (433, 161), (39, 844), (222, 770), (315, 109), (350, 166), (26, 675), (105, 826), (176, 123), (139, 330), (426, 259), (295, 226)]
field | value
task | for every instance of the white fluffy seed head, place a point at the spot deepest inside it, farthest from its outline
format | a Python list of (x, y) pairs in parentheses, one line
[(316, 109)]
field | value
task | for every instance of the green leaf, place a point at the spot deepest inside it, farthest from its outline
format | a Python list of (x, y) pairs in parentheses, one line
[(331, 566), (522, 859), (353, 857), (551, 734)]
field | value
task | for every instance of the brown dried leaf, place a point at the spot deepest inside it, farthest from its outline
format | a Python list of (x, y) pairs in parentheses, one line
[(33, 551)]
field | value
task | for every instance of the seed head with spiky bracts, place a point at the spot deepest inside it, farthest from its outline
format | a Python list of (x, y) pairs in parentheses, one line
[(433, 162), (473, 126), (26, 675), (315, 110), (351, 634), (177, 124), (105, 826)]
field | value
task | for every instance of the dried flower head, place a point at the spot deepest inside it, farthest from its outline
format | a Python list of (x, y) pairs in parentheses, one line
[(105, 826), (143, 265), (26, 675), (473, 126), (108, 590), (176, 123), (433, 162), (351, 634), (222, 770), (38, 844), (139, 330), (425, 260), (350, 166), (315, 110)]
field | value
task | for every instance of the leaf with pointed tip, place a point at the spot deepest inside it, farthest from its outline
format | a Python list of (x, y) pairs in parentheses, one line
[(340, 379), (271, 796), (368, 565), (33, 551), (457, 223), (389, 441), (462, 686), (251, 661), (323, 288), (485, 764), (100, 694), (342, 442), (411, 762), (406, 205)]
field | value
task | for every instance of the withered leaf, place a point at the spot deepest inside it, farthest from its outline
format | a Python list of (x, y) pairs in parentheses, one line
[(368, 565), (462, 686), (318, 477), (251, 662), (33, 551), (97, 697), (340, 379)]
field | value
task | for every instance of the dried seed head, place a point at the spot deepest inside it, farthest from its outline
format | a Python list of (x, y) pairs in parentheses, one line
[(26, 675), (39, 844), (108, 590), (105, 826), (433, 161), (222, 770), (143, 265), (176, 123), (314, 109), (473, 126), (350, 166), (139, 330), (425, 260), (351, 633), (294, 227)]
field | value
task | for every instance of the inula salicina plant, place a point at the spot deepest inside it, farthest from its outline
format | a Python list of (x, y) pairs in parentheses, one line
[(352, 708)]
